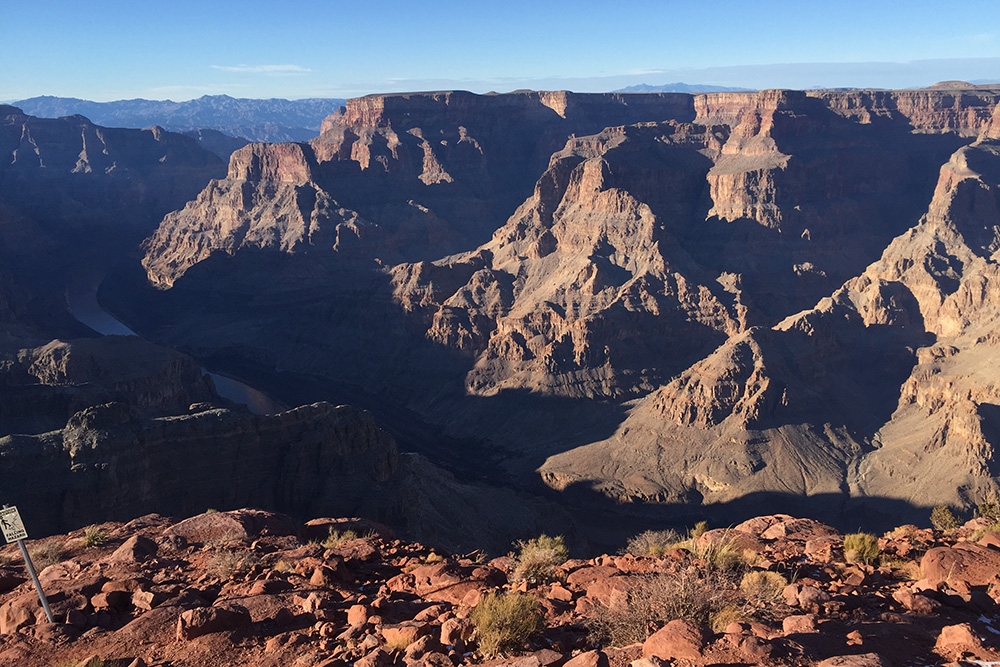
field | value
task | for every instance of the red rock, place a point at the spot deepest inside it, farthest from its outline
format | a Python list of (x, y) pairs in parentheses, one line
[(820, 549), (118, 600), (18, 613), (146, 600), (587, 575), (404, 634), (357, 613), (861, 660), (206, 620), (753, 649), (991, 539), (677, 639), (799, 624), (915, 602), (135, 549), (10, 581), (378, 657), (966, 561), (456, 631), (209, 527), (957, 636), (559, 592), (589, 659), (805, 596)]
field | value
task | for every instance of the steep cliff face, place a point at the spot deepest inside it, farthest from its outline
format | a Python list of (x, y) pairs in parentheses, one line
[(887, 389), (270, 201), (107, 462), (394, 177), (586, 291), (750, 224), (41, 388), (643, 247), (74, 195), (70, 162)]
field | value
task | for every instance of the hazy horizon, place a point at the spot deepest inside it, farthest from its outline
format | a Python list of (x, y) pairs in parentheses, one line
[(114, 50)]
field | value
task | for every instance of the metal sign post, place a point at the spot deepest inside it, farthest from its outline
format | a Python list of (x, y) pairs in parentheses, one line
[(13, 531)]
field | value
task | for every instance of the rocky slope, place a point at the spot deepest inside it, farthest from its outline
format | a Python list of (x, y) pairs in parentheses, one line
[(247, 588), (718, 224), (75, 196), (42, 388), (392, 177), (887, 388)]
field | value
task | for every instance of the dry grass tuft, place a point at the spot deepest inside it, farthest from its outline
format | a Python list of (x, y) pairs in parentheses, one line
[(505, 621), (537, 558)]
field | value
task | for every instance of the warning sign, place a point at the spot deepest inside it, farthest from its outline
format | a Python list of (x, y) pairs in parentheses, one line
[(13, 527)]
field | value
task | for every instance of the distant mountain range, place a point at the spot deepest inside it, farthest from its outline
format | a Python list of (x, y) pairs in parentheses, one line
[(257, 120), (678, 87)]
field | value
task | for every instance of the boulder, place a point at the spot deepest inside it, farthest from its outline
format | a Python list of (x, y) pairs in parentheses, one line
[(206, 620), (678, 639), (966, 561)]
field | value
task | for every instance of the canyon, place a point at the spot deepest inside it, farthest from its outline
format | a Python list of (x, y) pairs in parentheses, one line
[(596, 311)]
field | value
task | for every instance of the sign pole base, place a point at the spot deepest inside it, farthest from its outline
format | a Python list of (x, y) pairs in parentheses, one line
[(34, 579)]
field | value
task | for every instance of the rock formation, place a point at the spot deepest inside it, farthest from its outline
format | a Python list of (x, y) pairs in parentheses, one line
[(43, 387), (885, 388), (710, 260), (75, 197)]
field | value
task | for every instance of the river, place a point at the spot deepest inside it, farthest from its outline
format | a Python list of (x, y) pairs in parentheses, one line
[(81, 299)]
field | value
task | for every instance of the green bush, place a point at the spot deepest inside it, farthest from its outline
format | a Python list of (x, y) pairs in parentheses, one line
[(94, 537), (989, 507), (861, 548), (943, 518), (505, 621), (536, 559)]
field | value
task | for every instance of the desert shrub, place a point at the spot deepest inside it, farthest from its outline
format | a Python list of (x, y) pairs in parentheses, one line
[(723, 556), (537, 558), (721, 619), (94, 537), (652, 542), (989, 507), (699, 529), (763, 587), (47, 554), (943, 518), (336, 537), (902, 569), (504, 621), (433, 557), (861, 548), (655, 600), (226, 563), (284, 567)]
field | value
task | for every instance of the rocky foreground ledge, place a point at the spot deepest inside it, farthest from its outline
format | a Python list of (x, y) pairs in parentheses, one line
[(253, 588)]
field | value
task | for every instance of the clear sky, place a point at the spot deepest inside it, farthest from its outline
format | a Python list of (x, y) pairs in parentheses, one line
[(105, 50)]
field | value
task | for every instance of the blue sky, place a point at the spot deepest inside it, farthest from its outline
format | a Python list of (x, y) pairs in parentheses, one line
[(104, 50)]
